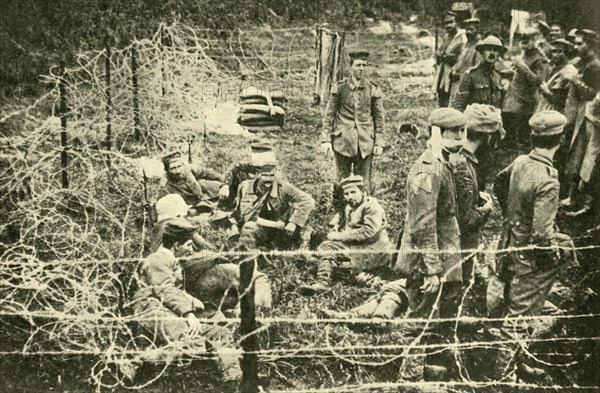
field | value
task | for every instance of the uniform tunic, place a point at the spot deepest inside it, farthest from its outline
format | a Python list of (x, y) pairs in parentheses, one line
[(354, 119), (479, 85), (199, 185), (365, 229)]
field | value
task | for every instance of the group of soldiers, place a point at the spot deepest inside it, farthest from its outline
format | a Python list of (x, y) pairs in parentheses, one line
[(554, 70), (447, 205)]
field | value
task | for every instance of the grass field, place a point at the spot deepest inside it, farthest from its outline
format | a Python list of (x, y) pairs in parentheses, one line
[(322, 367)]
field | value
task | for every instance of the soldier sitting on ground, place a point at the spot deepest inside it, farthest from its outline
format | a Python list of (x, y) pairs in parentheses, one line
[(362, 229), (270, 211), (199, 186), (208, 277), (168, 314)]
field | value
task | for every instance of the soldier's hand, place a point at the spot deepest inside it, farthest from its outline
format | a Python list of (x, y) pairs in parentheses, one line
[(431, 284), (290, 228), (488, 205), (193, 323), (224, 192), (377, 150), (325, 148)]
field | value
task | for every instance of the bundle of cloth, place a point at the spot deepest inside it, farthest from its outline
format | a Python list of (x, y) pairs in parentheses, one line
[(262, 110)]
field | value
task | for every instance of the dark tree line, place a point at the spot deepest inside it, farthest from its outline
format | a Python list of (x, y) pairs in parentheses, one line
[(35, 34)]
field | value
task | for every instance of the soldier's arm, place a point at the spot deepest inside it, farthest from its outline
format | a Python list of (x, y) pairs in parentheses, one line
[(536, 74), (330, 114), (373, 223), (302, 204), (501, 185), (378, 117), (588, 91), (469, 219), (424, 189), (458, 101), (201, 172), (160, 276), (545, 207)]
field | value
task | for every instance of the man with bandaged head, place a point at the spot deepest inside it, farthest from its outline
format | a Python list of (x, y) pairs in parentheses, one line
[(483, 123), (430, 253), (168, 313), (271, 211)]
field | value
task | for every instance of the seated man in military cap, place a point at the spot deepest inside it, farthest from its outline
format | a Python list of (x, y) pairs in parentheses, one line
[(210, 278), (270, 211), (527, 192), (167, 313), (430, 252), (363, 228), (199, 186)]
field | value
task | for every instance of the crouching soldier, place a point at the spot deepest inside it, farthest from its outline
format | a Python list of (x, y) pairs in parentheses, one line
[(167, 313), (364, 228), (272, 211)]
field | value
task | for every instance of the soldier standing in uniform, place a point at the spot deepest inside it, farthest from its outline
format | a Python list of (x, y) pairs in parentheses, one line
[(473, 206), (521, 97), (469, 57), (446, 57), (272, 211), (483, 83), (555, 87), (527, 191), (353, 123), (364, 228), (430, 253)]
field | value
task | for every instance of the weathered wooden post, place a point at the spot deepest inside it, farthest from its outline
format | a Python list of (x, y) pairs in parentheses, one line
[(136, 91), (63, 109), (107, 81), (247, 327)]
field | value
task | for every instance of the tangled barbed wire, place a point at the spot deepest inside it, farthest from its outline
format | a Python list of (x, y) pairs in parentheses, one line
[(69, 254)]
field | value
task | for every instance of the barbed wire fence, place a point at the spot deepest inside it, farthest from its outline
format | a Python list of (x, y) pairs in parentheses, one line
[(67, 264)]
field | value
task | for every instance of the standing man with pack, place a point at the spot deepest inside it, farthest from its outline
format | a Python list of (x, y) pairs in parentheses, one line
[(527, 192), (353, 123)]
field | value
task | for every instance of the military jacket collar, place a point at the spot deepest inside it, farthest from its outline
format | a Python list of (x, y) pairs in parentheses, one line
[(353, 83), (469, 155), (534, 155), (274, 188)]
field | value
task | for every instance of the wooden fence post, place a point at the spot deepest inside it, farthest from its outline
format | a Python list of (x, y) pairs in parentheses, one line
[(136, 101), (247, 327), (107, 81), (63, 109)]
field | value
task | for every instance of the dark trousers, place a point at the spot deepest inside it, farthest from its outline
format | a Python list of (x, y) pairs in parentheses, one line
[(443, 98), (361, 166), (422, 306), (525, 296)]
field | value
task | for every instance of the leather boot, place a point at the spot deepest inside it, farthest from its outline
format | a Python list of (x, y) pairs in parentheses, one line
[(323, 282), (386, 308)]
